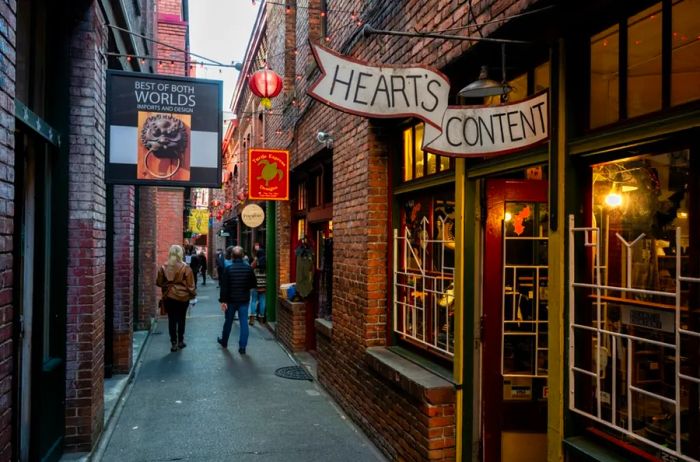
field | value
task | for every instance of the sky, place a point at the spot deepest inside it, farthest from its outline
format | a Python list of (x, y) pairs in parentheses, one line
[(220, 29)]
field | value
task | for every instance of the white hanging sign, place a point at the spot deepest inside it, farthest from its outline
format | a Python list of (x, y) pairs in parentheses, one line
[(395, 91)]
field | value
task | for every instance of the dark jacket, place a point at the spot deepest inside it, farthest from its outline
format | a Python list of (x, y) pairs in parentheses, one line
[(237, 281)]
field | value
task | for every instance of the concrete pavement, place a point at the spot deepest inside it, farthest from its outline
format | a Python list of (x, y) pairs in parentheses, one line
[(204, 403)]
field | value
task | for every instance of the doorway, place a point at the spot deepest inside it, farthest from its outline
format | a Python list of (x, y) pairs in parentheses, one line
[(40, 315), (515, 322)]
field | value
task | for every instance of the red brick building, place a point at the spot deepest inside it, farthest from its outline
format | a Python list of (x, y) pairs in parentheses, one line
[(70, 248), (447, 331)]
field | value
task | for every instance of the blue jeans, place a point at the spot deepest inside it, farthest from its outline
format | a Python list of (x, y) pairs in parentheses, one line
[(242, 309), (257, 300)]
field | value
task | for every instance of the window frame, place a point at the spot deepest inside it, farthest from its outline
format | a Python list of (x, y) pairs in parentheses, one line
[(622, 22)]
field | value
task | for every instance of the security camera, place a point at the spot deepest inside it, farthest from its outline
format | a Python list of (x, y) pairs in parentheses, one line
[(324, 137)]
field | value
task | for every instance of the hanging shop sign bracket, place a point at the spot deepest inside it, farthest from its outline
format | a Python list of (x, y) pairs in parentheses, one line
[(369, 30), (395, 91)]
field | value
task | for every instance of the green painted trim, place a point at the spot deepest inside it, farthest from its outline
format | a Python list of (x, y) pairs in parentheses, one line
[(657, 128), (471, 269), (508, 162), (271, 255), (37, 124), (436, 180)]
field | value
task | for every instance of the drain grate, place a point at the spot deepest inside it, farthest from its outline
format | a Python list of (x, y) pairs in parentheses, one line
[(294, 373)]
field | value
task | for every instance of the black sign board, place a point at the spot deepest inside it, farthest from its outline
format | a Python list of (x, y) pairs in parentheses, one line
[(163, 130)]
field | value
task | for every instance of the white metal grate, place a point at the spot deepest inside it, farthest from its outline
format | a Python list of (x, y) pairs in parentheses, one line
[(621, 344), (424, 290)]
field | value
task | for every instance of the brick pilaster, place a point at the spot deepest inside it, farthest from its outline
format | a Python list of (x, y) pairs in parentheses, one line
[(85, 305), (147, 293), (171, 203), (7, 205), (123, 277)]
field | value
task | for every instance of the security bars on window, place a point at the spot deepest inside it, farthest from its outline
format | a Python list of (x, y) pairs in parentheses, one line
[(424, 290), (598, 330)]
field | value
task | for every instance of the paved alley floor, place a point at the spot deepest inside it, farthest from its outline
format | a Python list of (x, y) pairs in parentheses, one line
[(204, 403)]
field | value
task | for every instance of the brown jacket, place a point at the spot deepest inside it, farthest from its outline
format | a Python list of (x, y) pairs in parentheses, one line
[(176, 281)]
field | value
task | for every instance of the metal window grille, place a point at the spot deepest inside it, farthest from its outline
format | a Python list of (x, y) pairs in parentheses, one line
[(600, 332), (424, 290)]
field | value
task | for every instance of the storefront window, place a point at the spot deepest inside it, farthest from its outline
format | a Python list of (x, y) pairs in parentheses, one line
[(423, 264), (644, 62), (635, 311), (416, 162), (655, 48), (685, 58), (605, 79), (542, 77)]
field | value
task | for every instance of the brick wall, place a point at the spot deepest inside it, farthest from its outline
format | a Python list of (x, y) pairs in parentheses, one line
[(147, 290), (291, 325), (123, 277), (171, 203), (7, 162), (86, 224), (171, 30), (405, 427)]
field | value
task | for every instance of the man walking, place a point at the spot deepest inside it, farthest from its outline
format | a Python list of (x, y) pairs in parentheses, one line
[(236, 283)]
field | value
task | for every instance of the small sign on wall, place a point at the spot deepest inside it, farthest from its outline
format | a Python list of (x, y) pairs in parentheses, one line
[(517, 388), (268, 174)]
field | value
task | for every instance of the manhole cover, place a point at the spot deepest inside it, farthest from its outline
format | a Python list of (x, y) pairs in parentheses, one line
[(294, 373)]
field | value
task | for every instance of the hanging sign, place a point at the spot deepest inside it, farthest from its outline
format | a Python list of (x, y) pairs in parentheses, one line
[(416, 91), (268, 174), (199, 221), (252, 215), (163, 130)]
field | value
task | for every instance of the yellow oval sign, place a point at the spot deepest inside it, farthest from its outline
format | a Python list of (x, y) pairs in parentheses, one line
[(252, 215)]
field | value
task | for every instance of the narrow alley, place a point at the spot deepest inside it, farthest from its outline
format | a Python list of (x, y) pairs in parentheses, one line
[(208, 403), (466, 230)]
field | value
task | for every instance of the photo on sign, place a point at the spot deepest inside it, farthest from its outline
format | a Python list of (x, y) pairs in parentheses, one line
[(164, 146)]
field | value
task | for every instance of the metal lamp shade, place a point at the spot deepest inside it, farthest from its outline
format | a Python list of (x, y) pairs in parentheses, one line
[(484, 87)]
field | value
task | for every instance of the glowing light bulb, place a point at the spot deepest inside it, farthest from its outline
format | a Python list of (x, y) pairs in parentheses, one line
[(508, 217), (613, 199)]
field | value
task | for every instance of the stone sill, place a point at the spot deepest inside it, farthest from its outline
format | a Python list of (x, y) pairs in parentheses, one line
[(418, 382), (588, 449), (324, 327)]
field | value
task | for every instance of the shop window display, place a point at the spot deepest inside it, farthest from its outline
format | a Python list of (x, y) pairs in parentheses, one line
[(635, 310), (424, 273)]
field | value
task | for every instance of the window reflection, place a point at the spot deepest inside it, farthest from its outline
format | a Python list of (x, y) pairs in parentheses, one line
[(685, 56), (644, 62), (605, 78)]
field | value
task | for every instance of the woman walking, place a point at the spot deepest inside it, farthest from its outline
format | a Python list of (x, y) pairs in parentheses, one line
[(176, 280)]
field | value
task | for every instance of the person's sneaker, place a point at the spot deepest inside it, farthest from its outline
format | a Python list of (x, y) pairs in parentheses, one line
[(194, 301), (220, 342), (251, 320), (181, 345), (241, 351), (173, 347)]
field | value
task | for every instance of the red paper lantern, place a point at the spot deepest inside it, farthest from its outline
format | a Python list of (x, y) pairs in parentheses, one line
[(265, 84), (215, 203), (228, 206)]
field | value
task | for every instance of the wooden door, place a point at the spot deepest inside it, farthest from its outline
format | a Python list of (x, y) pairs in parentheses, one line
[(514, 362)]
